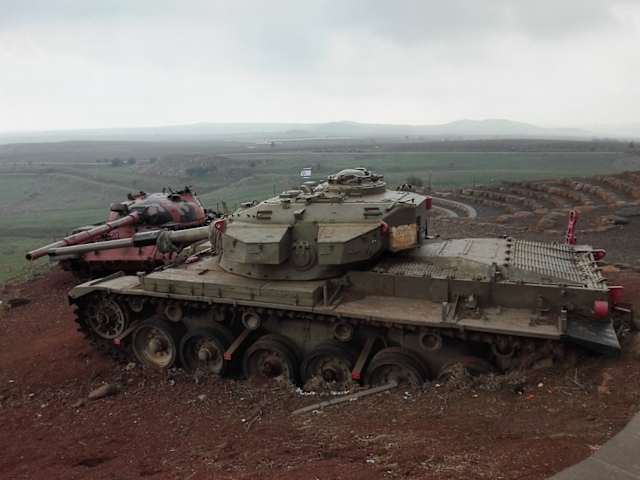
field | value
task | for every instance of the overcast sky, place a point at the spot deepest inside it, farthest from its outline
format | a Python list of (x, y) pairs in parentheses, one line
[(85, 64)]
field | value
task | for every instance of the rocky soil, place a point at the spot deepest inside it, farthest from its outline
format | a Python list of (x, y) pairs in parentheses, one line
[(524, 426)]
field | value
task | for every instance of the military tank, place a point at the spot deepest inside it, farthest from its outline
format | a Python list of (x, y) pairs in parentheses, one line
[(142, 212), (341, 282)]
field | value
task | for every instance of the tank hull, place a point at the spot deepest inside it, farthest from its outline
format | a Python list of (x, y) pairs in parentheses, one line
[(437, 315)]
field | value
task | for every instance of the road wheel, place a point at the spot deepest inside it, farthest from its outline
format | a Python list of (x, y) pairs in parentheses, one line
[(155, 343), (398, 365), (203, 350), (271, 357), (330, 363)]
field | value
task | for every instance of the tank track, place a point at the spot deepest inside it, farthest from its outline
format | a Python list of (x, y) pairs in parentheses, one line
[(119, 353), (501, 352)]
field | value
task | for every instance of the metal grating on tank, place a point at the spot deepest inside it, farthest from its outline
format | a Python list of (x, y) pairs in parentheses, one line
[(410, 267), (555, 260)]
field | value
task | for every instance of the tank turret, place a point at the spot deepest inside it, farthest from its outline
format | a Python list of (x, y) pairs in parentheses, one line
[(320, 231)]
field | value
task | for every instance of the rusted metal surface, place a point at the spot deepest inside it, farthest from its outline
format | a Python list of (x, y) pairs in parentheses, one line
[(403, 237), (111, 246), (228, 354), (345, 398), (356, 373)]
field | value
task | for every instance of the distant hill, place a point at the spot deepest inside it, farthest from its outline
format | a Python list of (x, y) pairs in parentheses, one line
[(489, 128), (625, 131), (464, 128)]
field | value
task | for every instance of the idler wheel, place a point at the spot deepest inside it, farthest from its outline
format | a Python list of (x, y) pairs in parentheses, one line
[(203, 350), (329, 362), (106, 319), (398, 365), (155, 343), (271, 357)]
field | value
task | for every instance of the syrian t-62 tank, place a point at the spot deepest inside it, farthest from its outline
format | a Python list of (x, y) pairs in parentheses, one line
[(341, 282), (143, 212)]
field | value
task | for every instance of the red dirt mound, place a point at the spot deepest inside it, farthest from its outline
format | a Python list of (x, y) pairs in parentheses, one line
[(168, 426)]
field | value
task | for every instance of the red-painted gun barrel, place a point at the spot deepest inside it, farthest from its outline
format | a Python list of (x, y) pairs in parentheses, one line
[(142, 239), (86, 236)]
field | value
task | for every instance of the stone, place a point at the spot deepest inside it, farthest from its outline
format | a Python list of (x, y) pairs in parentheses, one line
[(105, 390), (613, 220), (17, 302), (628, 212), (603, 388), (522, 214)]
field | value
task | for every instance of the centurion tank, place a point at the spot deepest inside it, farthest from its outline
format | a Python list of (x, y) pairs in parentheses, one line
[(341, 282)]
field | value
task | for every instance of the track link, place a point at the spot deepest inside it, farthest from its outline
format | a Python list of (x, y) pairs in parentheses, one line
[(121, 352)]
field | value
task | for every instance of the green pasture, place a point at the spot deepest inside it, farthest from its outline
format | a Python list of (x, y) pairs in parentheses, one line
[(446, 170), (39, 206)]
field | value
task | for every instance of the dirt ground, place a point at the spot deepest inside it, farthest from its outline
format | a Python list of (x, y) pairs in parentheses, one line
[(168, 426)]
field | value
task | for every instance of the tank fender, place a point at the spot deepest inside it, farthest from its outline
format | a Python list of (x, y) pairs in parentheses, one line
[(94, 285), (594, 334)]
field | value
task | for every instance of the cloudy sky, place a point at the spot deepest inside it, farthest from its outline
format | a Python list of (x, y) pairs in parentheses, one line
[(85, 64)]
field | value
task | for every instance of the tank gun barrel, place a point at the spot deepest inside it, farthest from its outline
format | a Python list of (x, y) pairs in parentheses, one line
[(85, 236), (142, 239)]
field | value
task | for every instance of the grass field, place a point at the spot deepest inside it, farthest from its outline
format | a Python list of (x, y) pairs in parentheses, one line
[(42, 202), (447, 170)]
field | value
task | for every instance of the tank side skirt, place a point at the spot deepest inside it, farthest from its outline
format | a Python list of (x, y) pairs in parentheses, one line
[(352, 311)]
